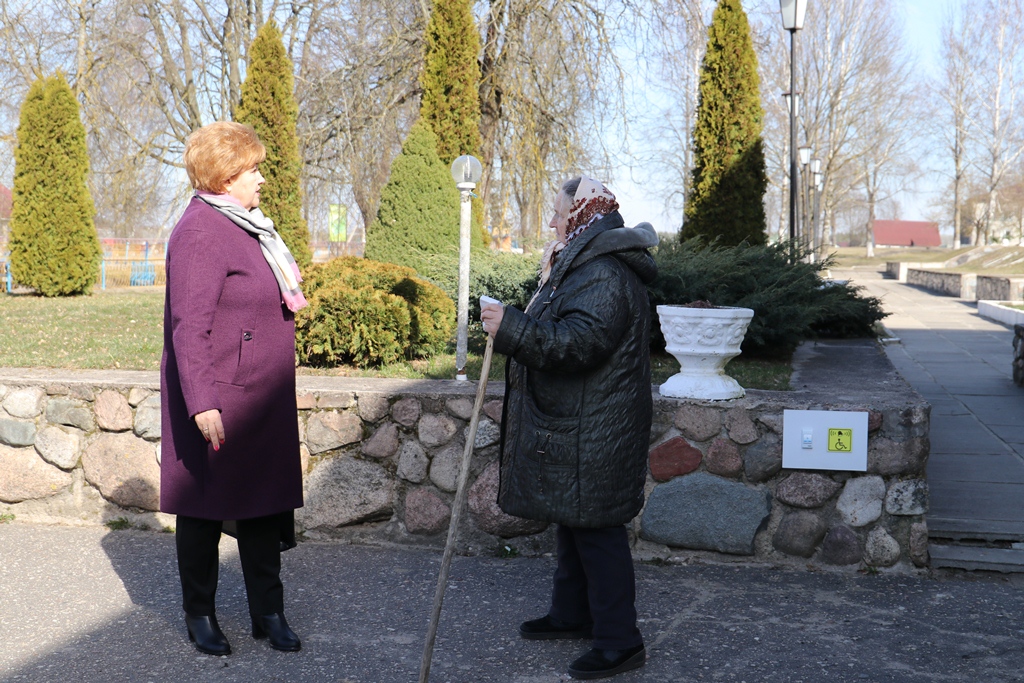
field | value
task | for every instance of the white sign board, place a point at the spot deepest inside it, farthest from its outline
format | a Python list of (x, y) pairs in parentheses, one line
[(825, 440)]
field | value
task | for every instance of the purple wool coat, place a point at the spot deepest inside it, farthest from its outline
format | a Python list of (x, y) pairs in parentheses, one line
[(229, 344)]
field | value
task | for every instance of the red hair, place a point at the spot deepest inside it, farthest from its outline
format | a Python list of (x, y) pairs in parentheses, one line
[(217, 153)]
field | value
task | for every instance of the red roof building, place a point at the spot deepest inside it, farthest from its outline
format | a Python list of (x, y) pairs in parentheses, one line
[(907, 234)]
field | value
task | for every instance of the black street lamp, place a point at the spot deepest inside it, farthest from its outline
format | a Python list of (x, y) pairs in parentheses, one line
[(792, 20)]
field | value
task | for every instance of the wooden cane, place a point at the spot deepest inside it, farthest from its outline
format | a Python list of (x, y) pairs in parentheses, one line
[(453, 526)]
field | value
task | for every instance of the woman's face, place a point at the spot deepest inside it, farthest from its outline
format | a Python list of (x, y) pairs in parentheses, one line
[(245, 187), (561, 218)]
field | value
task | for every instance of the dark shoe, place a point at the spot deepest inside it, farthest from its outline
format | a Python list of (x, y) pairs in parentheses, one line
[(549, 628), (599, 663), (275, 627), (206, 634)]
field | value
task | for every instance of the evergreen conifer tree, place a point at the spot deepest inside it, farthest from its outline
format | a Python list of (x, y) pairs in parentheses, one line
[(268, 105), (729, 180), (418, 216), (450, 82), (450, 79), (53, 240)]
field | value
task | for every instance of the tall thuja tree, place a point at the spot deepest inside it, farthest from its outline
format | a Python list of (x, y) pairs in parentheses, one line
[(418, 216), (450, 81), (268, 105), (729, 179), (54, 246), (451, 78)]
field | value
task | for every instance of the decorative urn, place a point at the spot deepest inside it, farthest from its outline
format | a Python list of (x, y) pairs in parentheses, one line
[(703, 339)]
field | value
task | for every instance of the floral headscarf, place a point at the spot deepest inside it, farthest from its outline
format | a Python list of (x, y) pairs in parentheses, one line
[(592, 202)]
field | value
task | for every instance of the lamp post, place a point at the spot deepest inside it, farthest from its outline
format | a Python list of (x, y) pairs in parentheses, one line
[(792, 20), (816, 183), (466, 170), (804, 156)]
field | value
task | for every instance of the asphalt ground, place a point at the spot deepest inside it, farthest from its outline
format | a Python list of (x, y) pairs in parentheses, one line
[(84, 604)]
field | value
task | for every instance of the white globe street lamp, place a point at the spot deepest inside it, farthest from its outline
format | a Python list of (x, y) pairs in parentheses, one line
[(466, 170)]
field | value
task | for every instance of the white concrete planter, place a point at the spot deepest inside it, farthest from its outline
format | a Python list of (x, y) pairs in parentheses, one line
[(703, 340)]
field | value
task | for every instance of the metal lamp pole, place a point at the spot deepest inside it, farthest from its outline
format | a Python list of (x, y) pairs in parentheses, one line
[(466, 171), (792, 20)]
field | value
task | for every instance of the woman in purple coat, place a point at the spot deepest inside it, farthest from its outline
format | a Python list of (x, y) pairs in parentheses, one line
[(227, 379)]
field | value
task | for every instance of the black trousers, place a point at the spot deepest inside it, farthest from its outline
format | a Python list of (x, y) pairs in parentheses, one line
[(594, 581), (259, 549)]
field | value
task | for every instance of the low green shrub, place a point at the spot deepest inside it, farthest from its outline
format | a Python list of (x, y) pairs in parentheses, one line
[(335, 335), (363, 326), (508, 277), (790, 301)]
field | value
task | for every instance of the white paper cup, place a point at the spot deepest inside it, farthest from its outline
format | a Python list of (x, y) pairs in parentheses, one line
[(484, 300)]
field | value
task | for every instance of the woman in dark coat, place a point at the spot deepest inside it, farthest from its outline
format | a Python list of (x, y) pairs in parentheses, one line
[(577, 419), (230, 446)]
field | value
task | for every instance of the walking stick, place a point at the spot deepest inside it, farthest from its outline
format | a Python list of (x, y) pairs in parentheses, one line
[(453, 526)]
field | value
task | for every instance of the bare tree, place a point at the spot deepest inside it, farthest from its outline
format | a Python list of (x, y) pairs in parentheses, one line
[(1000, 111), (954, 88), (551, 79), (678, 33)]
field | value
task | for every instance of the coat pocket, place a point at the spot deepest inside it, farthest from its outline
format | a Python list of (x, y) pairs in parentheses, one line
[(544, 481), (246, 353)]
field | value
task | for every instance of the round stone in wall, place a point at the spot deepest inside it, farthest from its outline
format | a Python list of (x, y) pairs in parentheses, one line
[(413, 462), (860, 503), (841, 546), (345, 490), (483, 503), (124, 468), (425, 512), (26, 402), (907, 498), (881, 550), (59, 446), (799, 533), (26, 476), (445, 466), (806, 490)]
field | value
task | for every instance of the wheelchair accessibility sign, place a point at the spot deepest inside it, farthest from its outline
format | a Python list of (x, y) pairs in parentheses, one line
[(825, 440), (840, 440)]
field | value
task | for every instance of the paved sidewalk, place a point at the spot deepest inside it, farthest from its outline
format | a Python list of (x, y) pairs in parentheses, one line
[(961, 364), (90, 605)]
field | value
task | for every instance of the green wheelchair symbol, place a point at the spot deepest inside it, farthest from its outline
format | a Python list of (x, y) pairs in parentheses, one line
[(840, 440)]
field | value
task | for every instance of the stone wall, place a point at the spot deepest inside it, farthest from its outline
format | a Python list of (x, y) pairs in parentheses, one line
[(381, 460), (992, 288), (962, 285), (898, 269)]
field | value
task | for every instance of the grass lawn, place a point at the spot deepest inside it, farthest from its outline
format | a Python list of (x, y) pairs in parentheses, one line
[(123, 329), (847, 257), (120, 329)]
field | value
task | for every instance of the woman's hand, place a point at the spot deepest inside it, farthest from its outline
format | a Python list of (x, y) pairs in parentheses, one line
[(490, 316), (210, 425)]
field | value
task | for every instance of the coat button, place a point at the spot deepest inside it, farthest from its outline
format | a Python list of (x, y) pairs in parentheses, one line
[(247, 336)]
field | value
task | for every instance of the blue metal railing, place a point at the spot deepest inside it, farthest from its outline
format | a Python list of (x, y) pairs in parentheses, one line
[(114, 273)]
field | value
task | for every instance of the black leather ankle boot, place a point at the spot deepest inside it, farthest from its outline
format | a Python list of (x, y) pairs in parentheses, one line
[(275, 627), (206, 634)]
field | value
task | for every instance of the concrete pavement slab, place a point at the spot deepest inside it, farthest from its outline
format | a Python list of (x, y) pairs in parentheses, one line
[(957, 467), (995, 409), (983, 500), (963, 434), (960, 363)]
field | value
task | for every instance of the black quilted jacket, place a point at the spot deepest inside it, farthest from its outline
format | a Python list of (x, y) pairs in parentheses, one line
[(577, 415)]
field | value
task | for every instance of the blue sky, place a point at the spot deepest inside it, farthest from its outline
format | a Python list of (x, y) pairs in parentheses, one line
[(922, 21)]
